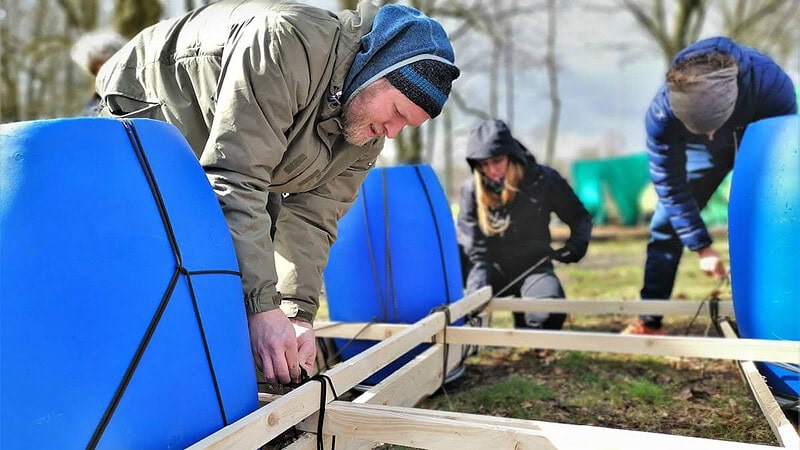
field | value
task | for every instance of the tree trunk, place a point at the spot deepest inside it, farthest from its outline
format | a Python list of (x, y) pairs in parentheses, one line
[(509, 67), (133, 16), (552, 77), (409, 146), (448, 152), (9, 86)]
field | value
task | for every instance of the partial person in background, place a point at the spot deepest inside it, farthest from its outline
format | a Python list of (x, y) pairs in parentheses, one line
[(714, 89), (90, 52), (504, 222), (281, 99)]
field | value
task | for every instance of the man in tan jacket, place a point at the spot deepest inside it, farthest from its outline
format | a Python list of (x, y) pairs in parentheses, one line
[(284, 100)]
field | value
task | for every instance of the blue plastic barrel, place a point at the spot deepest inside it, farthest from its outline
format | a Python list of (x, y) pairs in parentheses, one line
[(396, 256), (122, 323), (764, 226)]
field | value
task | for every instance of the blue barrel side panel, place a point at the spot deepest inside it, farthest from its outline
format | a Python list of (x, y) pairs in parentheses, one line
[(85, 262), (368, 280), (764, 224), (205, 244)]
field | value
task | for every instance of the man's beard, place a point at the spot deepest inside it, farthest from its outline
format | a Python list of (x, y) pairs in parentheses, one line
[(355, 116)]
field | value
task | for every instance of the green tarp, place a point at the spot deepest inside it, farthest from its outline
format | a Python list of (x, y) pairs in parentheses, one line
[(619, 190)]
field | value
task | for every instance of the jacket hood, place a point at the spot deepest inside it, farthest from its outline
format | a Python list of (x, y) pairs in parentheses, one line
[(715, 44), (493, 138), (400, 35)]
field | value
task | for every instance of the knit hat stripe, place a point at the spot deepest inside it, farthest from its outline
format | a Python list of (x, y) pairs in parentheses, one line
[(394, 67), (414, 77)]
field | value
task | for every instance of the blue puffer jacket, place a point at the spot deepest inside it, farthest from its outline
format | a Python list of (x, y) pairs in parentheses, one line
[(764, 91)]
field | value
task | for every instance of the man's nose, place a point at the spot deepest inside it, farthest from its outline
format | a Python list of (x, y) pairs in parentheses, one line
[(394, 128)]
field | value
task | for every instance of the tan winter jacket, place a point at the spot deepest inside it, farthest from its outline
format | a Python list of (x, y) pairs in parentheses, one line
[(253, 86)]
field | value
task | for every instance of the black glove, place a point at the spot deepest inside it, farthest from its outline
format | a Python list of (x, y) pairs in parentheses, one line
[(567, 254)]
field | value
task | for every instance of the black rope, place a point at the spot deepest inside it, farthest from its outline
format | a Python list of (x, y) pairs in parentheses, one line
[(138, 149), (378, 293), (438, 234), (713, 310), (151, 181), (324, 380), (137, 356), (207, 352), (352, 339), (213, 272), (446, 353), (390, 289), (523, 275)]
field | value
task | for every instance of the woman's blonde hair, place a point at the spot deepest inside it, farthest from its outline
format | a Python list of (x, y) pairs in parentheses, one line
[(489, 203)]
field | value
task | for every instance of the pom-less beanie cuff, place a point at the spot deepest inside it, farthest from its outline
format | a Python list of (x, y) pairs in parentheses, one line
[(427, 83)]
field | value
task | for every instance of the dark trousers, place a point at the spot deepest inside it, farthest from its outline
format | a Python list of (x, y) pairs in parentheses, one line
[(705, 172)]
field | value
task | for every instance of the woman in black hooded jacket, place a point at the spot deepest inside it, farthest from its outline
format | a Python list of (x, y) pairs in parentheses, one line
[(504, 221)]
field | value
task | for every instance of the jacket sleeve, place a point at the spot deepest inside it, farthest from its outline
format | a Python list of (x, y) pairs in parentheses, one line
[(307, 227), (255, 105), (474, 241), (569, 208), (666, 150)]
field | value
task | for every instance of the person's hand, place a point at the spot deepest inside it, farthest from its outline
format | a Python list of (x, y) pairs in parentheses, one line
[(306, 344), (711, 264), (566, 254), (274, 343)]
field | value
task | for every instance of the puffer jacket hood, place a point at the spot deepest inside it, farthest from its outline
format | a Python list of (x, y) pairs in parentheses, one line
[(493, 138)]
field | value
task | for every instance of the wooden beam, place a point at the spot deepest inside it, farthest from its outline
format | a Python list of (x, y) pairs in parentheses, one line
[(264, 424), (686, 346), (357, 330), (408, 385), (784, 431), (447, 430), (672, 307), (692, 347)]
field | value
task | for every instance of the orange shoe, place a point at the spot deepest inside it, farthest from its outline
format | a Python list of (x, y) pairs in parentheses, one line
[(639, 328)]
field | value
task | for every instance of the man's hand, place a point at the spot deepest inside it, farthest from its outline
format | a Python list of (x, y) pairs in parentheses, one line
[(711, 264), (274, 343), (306, 344)]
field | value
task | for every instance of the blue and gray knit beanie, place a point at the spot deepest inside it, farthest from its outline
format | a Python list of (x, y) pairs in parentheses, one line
[(412, 51)]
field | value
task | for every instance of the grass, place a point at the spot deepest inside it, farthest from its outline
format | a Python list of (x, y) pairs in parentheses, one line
[(685, 396), (691, 397)]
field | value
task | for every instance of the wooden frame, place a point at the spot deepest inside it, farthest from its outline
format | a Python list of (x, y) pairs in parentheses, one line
[(370, 419)]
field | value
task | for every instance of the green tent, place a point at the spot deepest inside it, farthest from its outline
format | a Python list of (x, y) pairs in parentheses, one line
[(622, 184)]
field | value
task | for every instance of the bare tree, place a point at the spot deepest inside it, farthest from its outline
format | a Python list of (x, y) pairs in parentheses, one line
[(9, 85), (671, 36), (132, 16), (552, 76), (768, 25)]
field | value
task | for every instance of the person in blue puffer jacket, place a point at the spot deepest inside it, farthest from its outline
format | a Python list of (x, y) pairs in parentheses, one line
[(714, 89)]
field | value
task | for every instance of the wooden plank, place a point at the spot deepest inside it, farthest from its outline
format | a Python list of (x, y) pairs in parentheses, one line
[(697, 347), (417, 379), (672, 307), (363, 331), (784, 431), (408, 385), (408, 427), (693, 347), (447, 430), (264, 424)]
